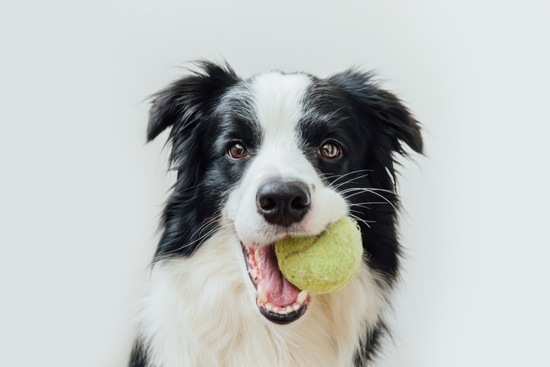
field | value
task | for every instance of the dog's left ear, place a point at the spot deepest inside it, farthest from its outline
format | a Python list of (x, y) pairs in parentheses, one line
[(187, 101), (186, 108), (396, 125)]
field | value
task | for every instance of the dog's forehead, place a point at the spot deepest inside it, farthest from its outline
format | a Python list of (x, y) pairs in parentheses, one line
[(278, 100)]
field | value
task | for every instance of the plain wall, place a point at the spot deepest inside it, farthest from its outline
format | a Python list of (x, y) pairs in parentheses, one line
[(81, 192)]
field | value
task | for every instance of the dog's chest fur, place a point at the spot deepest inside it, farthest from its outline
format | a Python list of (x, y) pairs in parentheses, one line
[(200, 312)]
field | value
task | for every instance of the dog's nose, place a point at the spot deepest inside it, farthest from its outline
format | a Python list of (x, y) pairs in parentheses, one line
[(283, 202)]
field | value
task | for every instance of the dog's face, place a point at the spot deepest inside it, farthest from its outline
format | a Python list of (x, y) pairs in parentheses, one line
[(281, 191), (281, 154)]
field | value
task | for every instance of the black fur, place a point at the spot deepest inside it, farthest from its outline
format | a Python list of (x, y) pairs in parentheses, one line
[(138, 357), (188, 107), (370, 124), (370, 345)]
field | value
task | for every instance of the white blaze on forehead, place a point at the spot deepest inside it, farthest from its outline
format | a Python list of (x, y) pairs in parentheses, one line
[(278, 104), (278, 107)]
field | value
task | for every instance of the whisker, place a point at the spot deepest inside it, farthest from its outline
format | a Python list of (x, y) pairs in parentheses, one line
[(214, 230), (202, 236), (348, 174), (367, 189), (365, 204), (205, 224), (359, 219), (371, 191), (385, 199), (383, 190), (348, 181)]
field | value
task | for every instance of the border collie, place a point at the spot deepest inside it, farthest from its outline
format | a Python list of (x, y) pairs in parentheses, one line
[(258, 159)]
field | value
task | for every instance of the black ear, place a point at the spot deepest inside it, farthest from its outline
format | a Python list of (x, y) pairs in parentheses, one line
[(190, 99), (395, 123)]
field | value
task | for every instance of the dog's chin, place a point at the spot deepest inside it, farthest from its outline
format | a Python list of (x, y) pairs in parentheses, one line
[(277, 299)]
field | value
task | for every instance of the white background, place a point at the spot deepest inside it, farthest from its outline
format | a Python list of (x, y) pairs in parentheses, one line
[(81, 192)]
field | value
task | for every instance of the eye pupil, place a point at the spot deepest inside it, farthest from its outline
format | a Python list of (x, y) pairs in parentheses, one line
[(237, 151), (330, 150)]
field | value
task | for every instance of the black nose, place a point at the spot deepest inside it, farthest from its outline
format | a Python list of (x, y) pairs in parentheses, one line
[(283, 203)]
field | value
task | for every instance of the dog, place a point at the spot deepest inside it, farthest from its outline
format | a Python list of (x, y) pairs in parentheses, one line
[(259, 159)]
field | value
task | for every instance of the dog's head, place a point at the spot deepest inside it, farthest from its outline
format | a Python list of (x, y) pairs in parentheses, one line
[(281, 154)]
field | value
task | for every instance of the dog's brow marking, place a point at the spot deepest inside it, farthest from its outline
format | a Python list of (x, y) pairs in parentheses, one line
[(278, 103)]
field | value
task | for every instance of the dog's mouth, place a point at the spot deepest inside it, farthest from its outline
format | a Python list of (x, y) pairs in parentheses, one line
[(278, 300)]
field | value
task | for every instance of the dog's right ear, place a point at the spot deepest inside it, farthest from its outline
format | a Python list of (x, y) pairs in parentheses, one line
[(186, 101)]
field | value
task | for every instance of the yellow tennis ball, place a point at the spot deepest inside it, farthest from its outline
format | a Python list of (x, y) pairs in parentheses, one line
[(324, 263)]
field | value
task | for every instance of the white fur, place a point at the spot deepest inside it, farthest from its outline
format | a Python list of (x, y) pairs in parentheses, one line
[(201, 312)]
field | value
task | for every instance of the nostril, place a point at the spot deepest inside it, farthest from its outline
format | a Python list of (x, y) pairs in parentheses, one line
[(299, 202), (267, 203)]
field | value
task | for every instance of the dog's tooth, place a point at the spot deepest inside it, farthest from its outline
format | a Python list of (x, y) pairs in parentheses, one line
[(261, 294), (302, 297), (268, 307), (257, 254), (275, 309), (295, 307), (288, 309)]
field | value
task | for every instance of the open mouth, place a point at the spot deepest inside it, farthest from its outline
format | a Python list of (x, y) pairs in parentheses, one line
[(278, 300)]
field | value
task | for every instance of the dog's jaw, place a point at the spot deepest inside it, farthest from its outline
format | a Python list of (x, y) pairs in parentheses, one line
[(278, 300), (185, 326)]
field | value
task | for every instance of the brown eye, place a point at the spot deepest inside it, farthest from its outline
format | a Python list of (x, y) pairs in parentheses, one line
[(237, 151), (330, 150)]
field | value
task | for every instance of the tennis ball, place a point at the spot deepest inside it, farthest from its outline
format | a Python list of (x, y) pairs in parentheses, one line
[(324, 263)]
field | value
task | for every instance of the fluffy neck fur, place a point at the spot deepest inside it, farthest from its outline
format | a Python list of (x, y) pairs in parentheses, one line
[(201, 312)]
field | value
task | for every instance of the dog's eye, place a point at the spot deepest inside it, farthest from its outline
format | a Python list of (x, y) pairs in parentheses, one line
[(330, 150), (237, 150)]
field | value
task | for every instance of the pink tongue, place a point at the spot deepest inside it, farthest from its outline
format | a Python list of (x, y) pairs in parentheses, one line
[(280, 292)]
